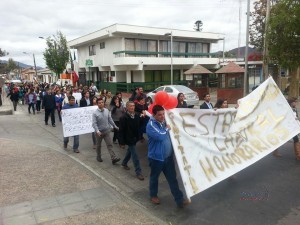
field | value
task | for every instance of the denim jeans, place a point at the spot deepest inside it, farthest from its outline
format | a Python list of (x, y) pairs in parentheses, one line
[(131, 152), (31, 105), (168, 168), (75, 143)]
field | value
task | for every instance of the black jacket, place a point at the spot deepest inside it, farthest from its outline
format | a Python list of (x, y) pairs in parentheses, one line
[(14, 96), (49, 102), (204, 106), (83, 103), (129, 129)]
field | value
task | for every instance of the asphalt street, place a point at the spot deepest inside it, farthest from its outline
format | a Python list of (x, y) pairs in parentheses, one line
[(276, 179)]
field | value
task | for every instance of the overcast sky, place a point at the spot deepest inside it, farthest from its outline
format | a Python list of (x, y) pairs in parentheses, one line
[(22, 22)]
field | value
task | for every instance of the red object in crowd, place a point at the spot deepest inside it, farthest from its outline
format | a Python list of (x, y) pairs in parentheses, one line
[(151, 107), (75, 77), (161, 97), (171, 103)]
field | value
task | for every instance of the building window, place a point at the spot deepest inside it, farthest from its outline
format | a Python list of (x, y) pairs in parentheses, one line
[(223, 81), (92, 50), (235, 81), (102, 45), (141, 45)]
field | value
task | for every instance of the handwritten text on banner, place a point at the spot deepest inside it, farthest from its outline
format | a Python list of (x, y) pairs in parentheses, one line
[(77, 121), (211, 145)]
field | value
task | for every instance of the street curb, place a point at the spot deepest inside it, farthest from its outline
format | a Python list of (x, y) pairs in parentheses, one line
[(6, 112)]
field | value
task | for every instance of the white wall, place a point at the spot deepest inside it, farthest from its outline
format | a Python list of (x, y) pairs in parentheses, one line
[(120, 76), (104, 57)]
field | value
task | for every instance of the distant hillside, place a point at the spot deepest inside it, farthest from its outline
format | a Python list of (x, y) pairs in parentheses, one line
[(233, 52), (21, 65)]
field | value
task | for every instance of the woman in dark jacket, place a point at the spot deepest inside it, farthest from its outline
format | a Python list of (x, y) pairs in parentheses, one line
[(181, 102), (117, 111)]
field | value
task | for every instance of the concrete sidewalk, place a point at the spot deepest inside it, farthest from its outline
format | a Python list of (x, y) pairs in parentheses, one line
[(64, 180), (43, 184)]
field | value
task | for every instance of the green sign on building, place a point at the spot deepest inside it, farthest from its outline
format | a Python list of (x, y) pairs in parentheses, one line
[(88, 62)]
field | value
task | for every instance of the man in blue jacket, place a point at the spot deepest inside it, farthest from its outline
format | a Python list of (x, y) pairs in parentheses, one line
[(160, 155), (71, 105)]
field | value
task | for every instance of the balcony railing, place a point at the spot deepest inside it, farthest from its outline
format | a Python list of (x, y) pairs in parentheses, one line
[(162, 54)]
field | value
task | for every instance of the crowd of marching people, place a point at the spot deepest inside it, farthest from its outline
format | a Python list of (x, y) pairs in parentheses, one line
[(129, 122)]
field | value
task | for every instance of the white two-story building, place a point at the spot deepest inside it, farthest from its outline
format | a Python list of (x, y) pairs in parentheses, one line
[(126, 54)]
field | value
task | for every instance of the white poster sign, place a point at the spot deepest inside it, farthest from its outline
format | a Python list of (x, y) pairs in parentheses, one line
[(212, 145), (77, 121), (78, 97)]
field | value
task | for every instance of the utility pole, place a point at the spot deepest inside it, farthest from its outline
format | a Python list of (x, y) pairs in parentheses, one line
[(266, 51), (240, 19), (34, 66), (246, 86)]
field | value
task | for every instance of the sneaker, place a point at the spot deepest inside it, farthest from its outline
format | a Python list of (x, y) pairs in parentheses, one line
[(99, 159), (125, 167), (140, 177), (76, 150), (155, 200), (114, 161), (184, 203), (53, 125), (65, 145)]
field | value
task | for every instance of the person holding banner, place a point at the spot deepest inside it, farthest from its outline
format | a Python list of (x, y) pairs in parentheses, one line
[(71, 105), (292, 102), (181, 102), (206, 104), (160, 156), (221, 104), (102, 123)]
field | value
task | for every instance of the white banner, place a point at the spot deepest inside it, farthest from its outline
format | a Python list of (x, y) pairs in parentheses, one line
[(211, 145), (77, 121)]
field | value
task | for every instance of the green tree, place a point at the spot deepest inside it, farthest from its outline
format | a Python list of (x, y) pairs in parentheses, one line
[(11, 65), (56, 54), (3, 52), (2, 65), (284, 39), (258, 23), (198, 25)]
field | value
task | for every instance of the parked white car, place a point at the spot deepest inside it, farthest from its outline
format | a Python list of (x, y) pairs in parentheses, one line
[(191, 97)]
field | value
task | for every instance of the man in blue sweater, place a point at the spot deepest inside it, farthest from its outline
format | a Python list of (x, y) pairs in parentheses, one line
[(160, 155), (71, 105)]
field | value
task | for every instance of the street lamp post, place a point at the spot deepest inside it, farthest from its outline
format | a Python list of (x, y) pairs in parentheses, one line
[(246, 82), (33, 62), (171, 50)]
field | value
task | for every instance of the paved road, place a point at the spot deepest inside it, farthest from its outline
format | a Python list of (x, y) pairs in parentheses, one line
[(222, 204)]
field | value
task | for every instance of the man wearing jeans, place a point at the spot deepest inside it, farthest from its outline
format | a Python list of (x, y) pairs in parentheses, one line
[(102, 123), (129, 135), (160, 155), (71, 105)]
